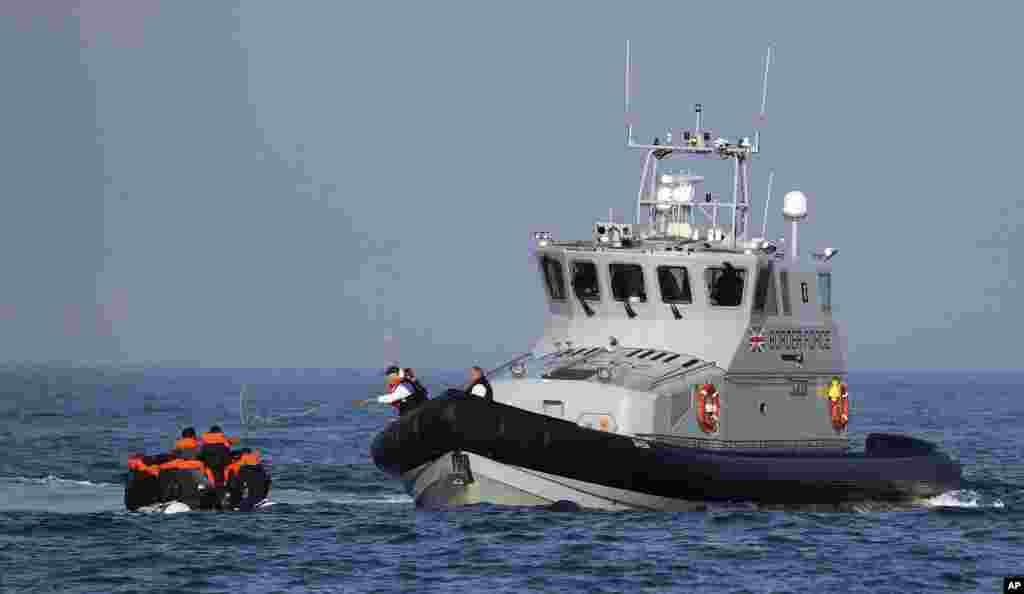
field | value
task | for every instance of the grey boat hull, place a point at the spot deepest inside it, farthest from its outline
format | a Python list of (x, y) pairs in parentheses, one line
[(458, 450)]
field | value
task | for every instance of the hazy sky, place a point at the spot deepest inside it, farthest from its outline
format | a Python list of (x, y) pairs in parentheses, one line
[(283, 184)]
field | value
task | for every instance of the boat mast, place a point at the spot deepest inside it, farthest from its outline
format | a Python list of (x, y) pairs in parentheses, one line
[(698, 145)]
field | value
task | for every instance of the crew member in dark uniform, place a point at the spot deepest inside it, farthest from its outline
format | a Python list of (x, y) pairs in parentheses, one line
[(728, 289), (478, 384), (419, 392), (405, 393)]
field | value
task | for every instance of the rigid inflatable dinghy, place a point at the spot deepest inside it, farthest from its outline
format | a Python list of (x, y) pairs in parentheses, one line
[(167, 484)]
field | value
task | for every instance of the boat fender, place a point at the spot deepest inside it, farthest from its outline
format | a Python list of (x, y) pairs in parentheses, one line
[(709, 408)]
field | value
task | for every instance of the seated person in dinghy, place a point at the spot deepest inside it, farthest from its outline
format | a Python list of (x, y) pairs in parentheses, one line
[(187, 475)]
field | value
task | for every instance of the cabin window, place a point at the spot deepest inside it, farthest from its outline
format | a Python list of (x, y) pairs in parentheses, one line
[(765, 299), (628, 282), (675, 284), (725, 285), (584, 281), (787, 308), (553, 277), (825, 291)]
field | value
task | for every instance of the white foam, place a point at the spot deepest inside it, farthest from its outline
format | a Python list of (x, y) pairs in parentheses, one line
[(176, 507), (355, 500), (963, 498), (53, 480)]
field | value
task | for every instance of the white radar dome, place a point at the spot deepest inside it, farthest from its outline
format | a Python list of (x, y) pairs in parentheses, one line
[(794, 205)]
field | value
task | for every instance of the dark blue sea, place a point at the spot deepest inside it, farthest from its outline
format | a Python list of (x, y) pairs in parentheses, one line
[(340, 525)]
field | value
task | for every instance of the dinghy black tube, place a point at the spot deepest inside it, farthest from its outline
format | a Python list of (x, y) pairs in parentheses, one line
[(892, 467)]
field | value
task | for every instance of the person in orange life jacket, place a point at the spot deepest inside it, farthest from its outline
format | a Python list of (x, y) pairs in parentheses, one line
[(478, 384), (182, 475), (215, 452), (247, 481), (187, 447)]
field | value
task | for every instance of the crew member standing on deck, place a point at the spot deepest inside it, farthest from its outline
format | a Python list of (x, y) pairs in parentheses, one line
[(478, 384), (400, 389), (419, 392)]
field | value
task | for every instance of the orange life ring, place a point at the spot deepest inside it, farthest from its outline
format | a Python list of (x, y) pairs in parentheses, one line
[(840, 409), (709, 408)]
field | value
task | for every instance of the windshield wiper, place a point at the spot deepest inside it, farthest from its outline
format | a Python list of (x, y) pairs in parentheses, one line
[(586, 306)]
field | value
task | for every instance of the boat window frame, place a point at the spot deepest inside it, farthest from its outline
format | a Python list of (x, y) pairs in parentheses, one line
[(825, 291), (597, 280), (766, 299), (787, 305), (545, 272), (709, 289), (643, 281), (686, 283)]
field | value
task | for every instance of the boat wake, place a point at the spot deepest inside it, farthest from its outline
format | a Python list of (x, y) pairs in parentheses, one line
[(55, 494), (51, 480), (964, 498)]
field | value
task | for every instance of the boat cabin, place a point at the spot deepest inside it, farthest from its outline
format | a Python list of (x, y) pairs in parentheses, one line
[(680, 326)]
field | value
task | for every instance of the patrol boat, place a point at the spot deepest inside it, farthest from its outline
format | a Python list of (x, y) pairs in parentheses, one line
[(683, 361)]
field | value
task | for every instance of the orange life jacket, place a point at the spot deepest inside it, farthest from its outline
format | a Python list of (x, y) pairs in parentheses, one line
[(251, 459), (186, 447), (135, 464), (218, 439), (180, 464)]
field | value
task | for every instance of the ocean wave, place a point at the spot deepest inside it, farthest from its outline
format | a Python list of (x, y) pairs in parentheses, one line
[(965, 498), (54, 481), (306, 497)]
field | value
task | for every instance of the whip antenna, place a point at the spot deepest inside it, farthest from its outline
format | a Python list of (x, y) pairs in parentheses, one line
[(764, 101), (629, 116), (764, 221), (241, 411)]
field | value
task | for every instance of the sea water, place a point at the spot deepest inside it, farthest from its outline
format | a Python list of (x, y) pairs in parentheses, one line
[(340, 525)]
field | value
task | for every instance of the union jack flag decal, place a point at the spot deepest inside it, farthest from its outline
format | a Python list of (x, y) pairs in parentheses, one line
[(757, 340)]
